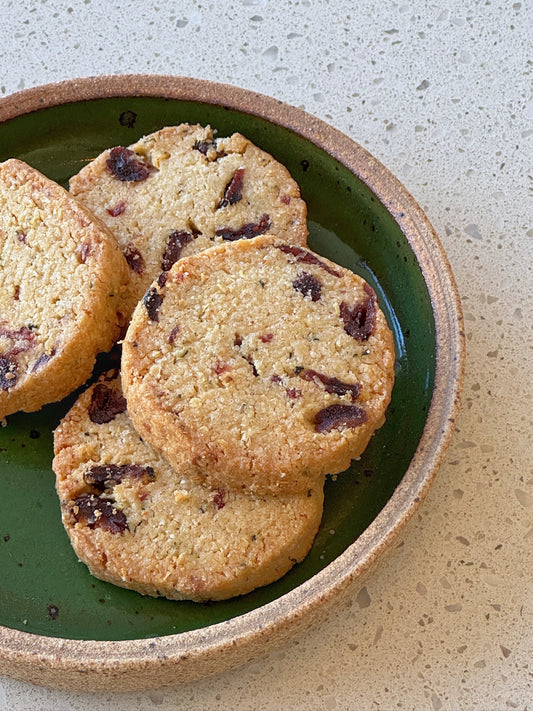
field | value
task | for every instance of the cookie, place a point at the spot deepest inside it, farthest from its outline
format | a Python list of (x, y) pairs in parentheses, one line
[(61, 276), (180, 190), (258, 365), (139, 524)]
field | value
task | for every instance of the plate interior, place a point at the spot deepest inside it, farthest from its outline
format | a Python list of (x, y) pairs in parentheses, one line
[(43, 588)]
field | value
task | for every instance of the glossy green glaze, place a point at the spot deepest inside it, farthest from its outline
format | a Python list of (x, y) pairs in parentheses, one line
[(43, 588)]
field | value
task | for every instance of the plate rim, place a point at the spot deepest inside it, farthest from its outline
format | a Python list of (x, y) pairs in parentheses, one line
[(153, 662)]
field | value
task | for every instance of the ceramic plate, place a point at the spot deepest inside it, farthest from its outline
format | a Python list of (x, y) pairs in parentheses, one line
[(59, 625)]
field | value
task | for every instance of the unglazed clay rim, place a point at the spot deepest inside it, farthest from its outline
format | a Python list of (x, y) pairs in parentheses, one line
[(145, 663)]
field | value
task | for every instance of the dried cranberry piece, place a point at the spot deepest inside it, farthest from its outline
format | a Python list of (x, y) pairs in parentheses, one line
[(153, 300), (203, 146), (8, 372), (85, 250), (172, 335), (24, 338), (125, 166), (233, 190), (359, 320), (251, 229), (219, 499), (306, 284), (332, 385), (302, 255), (118, 209), (134, 259), (103, 477), (97, 512), (175, 243), (206, 147), (339, 417), (221, 367), (105, 404)]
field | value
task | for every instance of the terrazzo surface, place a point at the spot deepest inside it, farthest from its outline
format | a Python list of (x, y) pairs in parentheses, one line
[(441, 93)]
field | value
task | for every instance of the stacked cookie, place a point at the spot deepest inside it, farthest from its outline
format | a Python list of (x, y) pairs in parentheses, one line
[(62, 277), (251, 368)]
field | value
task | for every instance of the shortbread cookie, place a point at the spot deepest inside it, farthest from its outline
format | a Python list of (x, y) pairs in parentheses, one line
[(180, 190), (139, 524), (258, 365), (61, 275)]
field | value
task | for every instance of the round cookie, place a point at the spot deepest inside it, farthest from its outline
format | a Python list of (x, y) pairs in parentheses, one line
[(181, 190), (258, 365), (61, 275), (139, 524)]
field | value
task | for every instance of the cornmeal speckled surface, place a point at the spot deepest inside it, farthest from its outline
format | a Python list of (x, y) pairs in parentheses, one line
[(441, 94)]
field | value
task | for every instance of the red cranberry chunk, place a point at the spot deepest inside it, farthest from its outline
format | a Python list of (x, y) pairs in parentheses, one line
[(233, 190), (359, 319), (339, 417), (118, 209), (97, 512), (221, 367), (24, 339), (303, 255), (219, 499), (105, 477), (173, 334), (85, 250), (251, 229), (152, 301), (332, 385), (106, 404), (125, 166), (134, 259), (308, 284), (8, 372), (208, 149), (175, 243)]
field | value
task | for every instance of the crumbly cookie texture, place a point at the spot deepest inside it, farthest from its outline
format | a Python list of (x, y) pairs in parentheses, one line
[(258, 365), (181, 190), (140, 524), (61, 276)]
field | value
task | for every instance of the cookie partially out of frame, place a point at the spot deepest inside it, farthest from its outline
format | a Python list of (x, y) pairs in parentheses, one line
[(258, 365), (61, 276), (181, 190), (140, 524)]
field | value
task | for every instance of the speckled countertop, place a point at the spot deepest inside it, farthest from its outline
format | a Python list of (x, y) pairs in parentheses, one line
[(441, 93)]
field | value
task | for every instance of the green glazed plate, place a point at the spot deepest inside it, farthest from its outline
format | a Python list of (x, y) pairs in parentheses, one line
[(58, 623)]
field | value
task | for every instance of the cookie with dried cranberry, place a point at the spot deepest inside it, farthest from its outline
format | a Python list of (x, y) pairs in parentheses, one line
[(140, 524), (258, 365), (61, 276), (181, 190)]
